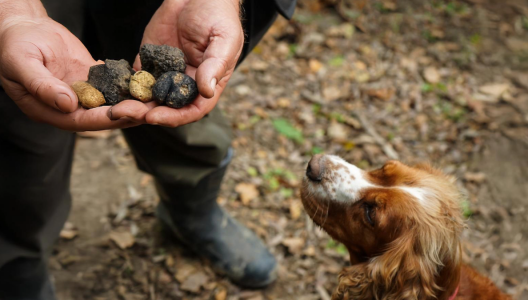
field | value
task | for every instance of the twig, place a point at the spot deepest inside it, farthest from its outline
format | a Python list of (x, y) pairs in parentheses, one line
[(385, 146), (322, 292)]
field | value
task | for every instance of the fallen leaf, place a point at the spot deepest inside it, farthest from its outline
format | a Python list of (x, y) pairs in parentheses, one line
[(382, 94), (220, 293), (247, 192), (123, 239), (475, 177), (283, 102), (195, 282), (68, 231), (432, 75), (183, 271), (295, 245), (494, 89), (315, 65), (68, 234), (295, 209), (337, 132), (310, 251)]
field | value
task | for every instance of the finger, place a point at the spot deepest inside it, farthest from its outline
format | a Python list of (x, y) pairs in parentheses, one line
[(219, 61), (170, 117), (42, 85), (80, 120), (133, 109), (137, 63)]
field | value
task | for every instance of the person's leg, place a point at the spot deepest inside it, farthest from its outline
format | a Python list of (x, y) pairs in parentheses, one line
[(188, 162), (35, 167), (35, 164)]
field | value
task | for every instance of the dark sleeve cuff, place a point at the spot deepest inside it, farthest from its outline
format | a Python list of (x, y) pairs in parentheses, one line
[(286, 7)]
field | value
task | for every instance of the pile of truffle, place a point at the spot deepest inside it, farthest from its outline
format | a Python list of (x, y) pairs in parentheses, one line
[(161, 79)]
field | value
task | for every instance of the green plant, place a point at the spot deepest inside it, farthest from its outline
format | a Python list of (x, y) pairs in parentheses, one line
[(285, 128)]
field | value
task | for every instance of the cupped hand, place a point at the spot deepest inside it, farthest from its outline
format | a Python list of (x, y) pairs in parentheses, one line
[(39, 60), (210, 34)]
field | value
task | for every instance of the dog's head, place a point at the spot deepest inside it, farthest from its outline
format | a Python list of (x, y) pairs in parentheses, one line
[(401, 225)]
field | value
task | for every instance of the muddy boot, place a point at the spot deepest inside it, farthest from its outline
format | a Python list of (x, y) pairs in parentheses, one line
[(196, 219)]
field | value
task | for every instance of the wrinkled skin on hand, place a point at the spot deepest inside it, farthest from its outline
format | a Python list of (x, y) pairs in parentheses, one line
[(39, 59), (210, 35)]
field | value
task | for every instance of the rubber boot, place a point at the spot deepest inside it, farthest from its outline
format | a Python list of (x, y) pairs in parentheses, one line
[(197, 220)]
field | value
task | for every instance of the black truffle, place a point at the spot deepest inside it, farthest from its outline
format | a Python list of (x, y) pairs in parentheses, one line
[(175, 90), (112, 79), (157, 59)]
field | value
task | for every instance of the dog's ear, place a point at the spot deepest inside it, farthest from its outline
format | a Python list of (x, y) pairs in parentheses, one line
[(411, 269), (354, 283)]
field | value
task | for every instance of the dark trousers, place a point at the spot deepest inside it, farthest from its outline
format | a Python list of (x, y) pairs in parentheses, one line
[(36, 159)]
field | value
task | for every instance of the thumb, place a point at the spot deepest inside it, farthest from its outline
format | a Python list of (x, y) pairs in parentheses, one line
[(219, 60), (41, 84)]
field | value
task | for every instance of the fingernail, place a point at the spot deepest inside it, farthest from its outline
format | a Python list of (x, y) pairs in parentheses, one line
[(110, 115), (63, 103), (213, 84)]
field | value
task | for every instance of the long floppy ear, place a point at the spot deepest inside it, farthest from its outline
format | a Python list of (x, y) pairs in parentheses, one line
[(413, 267), (354, 283)]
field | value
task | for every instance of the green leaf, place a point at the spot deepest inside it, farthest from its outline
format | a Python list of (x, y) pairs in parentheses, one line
[(466, 209), (285, 128), (337, 61), (316, 150), (286, 193), (252, 171), (341, 249), (426, 87)]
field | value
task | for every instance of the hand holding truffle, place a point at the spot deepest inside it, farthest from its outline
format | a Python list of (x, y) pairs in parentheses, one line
[(28, 38), (210, 35)]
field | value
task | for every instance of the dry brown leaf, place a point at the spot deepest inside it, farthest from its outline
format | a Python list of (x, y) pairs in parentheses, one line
[(283, 102), (295, 245), (475, 177), (432, 75), (68, 234), (494, 89), (337, 132), (247, 192), (194, 282), (382, 94), (183, 271), (220, 293), (315, 65), (295, 209), (123, 239)]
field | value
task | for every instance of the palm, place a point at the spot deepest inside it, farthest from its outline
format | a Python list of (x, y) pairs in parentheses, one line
[(210, 36)]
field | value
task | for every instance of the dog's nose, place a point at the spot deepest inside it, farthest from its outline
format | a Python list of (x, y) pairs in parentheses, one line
[(315, 168)]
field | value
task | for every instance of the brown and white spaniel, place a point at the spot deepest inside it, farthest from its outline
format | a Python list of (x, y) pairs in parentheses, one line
[(402, 226)]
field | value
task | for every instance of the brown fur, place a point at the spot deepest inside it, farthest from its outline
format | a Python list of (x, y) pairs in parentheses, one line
[(413, 251)]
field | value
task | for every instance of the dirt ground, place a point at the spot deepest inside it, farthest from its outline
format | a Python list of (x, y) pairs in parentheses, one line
[(438, 81)]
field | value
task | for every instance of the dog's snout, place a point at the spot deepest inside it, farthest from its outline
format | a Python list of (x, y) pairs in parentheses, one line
[(315, 168)]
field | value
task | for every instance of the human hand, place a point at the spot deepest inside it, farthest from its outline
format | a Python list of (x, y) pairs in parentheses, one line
[(39, 59), (211, 37)]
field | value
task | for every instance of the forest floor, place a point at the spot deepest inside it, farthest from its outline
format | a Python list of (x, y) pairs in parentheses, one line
[(438, 81)]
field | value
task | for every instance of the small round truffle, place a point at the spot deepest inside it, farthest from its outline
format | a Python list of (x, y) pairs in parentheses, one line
[(89, 97), (175, 90), (141, 86)]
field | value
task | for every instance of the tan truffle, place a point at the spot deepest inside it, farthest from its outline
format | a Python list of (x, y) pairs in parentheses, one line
[(89, 97), (141, 86)]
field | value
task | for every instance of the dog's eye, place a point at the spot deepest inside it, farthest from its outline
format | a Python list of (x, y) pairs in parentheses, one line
[(369, 213)]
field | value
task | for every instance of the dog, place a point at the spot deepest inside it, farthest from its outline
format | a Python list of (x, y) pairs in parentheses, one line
[(402, 226)]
